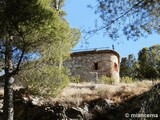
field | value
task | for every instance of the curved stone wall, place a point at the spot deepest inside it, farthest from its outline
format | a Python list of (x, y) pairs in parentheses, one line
[(92, 65)]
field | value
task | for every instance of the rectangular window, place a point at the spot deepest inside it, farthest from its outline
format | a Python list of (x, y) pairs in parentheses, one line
[(96, 66)]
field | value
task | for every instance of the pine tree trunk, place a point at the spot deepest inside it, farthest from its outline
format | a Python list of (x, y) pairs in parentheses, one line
[(8, 99), (8, 110)]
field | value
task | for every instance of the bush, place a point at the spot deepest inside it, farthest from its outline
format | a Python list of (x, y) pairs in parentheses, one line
[(126, 80), (107, 80), (75, 79), (45, 81)]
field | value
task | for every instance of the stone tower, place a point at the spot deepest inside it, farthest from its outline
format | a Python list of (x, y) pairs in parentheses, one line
[(92, 65)]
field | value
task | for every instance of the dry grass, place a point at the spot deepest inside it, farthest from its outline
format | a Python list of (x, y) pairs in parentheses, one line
[(76, 93)]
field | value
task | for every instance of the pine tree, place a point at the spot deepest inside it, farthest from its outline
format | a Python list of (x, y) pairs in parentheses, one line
[(131, 18), (29, 30), (149, 59), (127, 67)]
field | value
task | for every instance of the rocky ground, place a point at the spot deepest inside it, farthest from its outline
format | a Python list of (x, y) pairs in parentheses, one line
[(91, 102)]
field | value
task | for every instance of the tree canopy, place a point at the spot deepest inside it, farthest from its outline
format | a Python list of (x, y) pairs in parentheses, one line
[(147, 66), (33, 34), (131, 18), (149, 62), (127, 66)]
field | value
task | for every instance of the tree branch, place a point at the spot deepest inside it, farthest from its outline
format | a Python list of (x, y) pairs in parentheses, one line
[(93, 32), (16, 70)]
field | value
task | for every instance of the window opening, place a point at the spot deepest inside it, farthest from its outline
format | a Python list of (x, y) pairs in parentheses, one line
[(116, 67), (96, 66)]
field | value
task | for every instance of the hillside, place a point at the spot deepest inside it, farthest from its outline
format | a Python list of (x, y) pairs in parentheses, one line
[(89, 101)]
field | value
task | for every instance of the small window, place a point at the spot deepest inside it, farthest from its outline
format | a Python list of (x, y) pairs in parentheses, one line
[(96, 66), (116, 67)]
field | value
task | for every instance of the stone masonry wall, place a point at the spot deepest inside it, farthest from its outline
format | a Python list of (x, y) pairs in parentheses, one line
[(92, 65)]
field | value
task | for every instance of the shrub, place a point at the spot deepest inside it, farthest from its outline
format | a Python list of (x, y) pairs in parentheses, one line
[(107, 80), (126, 80), (75, 79), (47, 81)]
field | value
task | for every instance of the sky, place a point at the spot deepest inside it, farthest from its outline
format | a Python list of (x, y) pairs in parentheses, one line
[(82, 17)]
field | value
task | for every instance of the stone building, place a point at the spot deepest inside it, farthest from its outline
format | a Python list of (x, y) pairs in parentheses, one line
[(92, 65)]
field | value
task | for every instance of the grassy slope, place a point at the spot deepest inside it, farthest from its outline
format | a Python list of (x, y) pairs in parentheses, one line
[(76, 93), (128, 97)]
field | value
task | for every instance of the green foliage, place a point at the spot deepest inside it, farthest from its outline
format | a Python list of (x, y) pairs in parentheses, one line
[(126, 80), (28, 30), (149, 62), (128, 66), (44, 80), (75, 79), (107, 80), (35, 39), (17, 18), (39, 35), (138, 17), (147, 66), (22, 24)]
